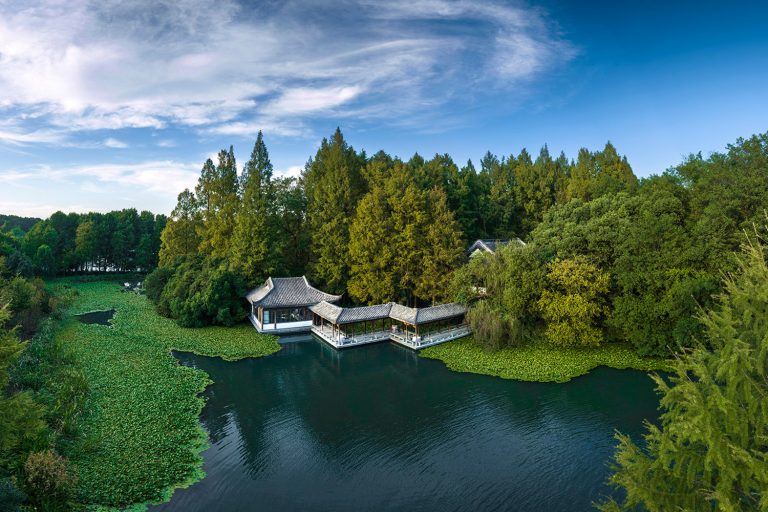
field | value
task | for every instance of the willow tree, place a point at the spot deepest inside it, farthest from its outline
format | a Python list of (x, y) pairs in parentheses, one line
[(573, 302), (710, 451)]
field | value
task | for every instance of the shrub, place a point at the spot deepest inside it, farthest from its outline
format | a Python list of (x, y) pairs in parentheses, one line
[(48, 481), (156, 281), (199, 293)]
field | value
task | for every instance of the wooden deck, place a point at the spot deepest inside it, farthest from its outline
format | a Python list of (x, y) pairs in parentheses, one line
[(338, 341), (341, 341), (433, 338)]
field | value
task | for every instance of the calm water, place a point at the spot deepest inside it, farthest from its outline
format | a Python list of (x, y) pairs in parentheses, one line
[(97, 317), (378, 428)]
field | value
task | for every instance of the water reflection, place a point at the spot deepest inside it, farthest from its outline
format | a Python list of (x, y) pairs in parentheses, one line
[(378, 428)]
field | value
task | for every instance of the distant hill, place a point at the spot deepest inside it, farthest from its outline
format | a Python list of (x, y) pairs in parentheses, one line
[(11, 222)]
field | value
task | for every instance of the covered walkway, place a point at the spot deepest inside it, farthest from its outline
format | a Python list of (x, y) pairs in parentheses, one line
[(415, 328)]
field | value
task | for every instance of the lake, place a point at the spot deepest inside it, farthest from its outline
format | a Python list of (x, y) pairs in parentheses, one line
[(378, 428)]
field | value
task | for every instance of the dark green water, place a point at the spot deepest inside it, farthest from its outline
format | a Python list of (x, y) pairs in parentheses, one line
[(378, 428)]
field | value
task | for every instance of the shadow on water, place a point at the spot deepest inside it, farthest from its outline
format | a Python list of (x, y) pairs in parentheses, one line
[(97, 317), (379, 428)]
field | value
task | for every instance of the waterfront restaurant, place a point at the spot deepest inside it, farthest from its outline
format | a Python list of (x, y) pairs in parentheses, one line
[(281, 305)]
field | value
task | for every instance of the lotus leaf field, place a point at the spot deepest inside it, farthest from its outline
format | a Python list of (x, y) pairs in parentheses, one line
[(538, 363), (141, 432)]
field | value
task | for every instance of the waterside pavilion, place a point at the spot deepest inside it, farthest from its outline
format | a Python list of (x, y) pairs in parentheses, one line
[(281, 305), (415, 328)]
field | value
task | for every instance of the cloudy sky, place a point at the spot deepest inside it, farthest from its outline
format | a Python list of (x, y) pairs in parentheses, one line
[(108, 104)]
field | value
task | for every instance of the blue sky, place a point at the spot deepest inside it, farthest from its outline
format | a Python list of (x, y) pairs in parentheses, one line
[(111, 104)]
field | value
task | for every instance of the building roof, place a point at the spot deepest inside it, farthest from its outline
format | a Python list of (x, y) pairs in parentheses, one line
[(417, 316), (279, 292), (492, 245), (340, 316), (413, 316)]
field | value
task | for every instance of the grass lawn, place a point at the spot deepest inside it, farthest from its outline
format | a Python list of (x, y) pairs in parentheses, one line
[(537, 363), (141, 432)]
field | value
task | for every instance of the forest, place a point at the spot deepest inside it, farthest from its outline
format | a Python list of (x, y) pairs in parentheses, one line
[(609, 257)]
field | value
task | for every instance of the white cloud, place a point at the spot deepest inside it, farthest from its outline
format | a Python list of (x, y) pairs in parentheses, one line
[(35, 209), (293, 171), (160, 177), (219, 68), (114, 143), (19, 137)]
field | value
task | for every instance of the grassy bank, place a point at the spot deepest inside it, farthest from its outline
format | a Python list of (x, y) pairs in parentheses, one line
[(140, 421), (537, 363)]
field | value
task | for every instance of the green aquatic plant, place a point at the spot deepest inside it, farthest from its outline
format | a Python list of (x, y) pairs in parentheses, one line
[(141, 435), (538, 362)]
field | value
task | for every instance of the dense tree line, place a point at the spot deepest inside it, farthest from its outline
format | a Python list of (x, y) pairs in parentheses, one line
[(661, 244), (123, 241), (374, 228), (17, 225)]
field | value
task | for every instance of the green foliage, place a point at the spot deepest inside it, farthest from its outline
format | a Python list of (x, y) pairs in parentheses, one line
[(10, 223), (491, 329), (217, 193), (11, 497), (200, 292), (333, 184), (508, 285), (709, 453), (47, 368), (537, 362), (181, 236), (155, 281), (573, 302), (124, 240), (256, 244), (27, 302), (404, 242), (141, 401)]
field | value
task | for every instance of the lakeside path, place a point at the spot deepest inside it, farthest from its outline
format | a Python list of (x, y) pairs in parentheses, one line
[(141, 433)]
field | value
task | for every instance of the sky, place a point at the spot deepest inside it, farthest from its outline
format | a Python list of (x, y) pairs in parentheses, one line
[(108, 104)]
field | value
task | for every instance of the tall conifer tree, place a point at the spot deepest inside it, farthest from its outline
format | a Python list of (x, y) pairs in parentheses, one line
[(334, 184), (709, 453), (255, 246), (220, 205)]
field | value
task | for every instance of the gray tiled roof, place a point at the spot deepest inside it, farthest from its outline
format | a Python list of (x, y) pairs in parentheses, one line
[(492, 245), (416, 316), (340, 316), (413, 316), (278, 292)]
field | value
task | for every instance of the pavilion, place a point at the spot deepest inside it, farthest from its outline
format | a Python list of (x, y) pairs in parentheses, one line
[(281, 305), (414, 328)]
